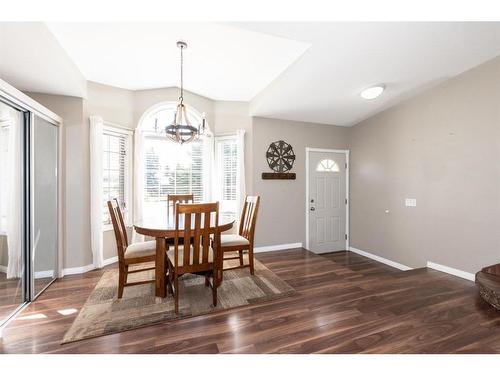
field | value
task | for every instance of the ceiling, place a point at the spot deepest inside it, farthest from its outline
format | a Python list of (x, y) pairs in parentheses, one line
[(310, 72), (221, 62), (324, 84), (31, 59)]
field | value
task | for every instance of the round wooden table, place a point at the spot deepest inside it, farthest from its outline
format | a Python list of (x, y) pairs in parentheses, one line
[(162, 228)]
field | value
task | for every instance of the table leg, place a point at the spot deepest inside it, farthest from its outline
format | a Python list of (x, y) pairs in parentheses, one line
[(160, 272)]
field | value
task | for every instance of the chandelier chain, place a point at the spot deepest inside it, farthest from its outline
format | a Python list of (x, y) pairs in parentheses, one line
[(181, 130), (182, 75)]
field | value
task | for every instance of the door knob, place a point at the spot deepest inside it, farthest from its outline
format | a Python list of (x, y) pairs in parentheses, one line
[(313, 209)]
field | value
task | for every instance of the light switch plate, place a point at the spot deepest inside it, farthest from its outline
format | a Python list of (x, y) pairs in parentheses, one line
[(410, 202)]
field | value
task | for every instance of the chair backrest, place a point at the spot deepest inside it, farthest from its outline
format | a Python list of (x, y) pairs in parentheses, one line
[(200, 223), (118, 227), (173, 199), (249, 217)]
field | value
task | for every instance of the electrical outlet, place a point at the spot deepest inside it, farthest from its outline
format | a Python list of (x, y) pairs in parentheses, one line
[(410, 202)]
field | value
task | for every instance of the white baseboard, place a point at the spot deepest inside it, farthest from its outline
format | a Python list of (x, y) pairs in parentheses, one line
[(389, 262), (109, 261), (88, 267), (77, 270), (38, 274), (263, 249), (44, 274), (67, 271), (451, 271)]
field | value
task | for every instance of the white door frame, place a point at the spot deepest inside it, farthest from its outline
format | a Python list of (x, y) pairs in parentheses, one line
[(346, 152)]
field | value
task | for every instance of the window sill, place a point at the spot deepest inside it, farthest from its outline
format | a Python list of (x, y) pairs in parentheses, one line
[(109, 227)]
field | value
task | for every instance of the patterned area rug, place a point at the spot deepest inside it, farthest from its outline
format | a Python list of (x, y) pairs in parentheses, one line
[(103, 313)]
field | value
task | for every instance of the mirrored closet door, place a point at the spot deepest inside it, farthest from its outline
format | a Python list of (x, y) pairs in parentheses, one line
[(13, 291), (29, 200), (44, 203)]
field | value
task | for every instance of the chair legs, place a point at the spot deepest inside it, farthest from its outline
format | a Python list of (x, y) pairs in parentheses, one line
[(241, 259), (176, 294), (214, 295), (123, 273), (121, 280), (250, 260), (214, 289), (170, 278), (173, 285), (174, 289)]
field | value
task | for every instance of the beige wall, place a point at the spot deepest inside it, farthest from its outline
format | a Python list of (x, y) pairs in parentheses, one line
[(230, 116), (122, 107), (281, 217), (77, 177), (4, 252), (145, 99), (442, 148), (111, 103)]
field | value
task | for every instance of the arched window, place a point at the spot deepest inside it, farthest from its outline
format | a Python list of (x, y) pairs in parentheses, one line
[(162, 114), (327, 165), (169, 167)]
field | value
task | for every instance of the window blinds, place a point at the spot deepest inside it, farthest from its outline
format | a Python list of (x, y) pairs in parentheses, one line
[(114, 155), (172, 169), (227, 160)]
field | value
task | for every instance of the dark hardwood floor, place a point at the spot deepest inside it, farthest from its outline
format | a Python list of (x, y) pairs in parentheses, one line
[(10, 295), (345, 304)]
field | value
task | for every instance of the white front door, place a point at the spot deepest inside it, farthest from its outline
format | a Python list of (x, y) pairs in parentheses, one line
[(327, 201)]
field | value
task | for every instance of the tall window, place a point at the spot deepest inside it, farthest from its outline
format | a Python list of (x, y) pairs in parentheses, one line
[(227, 163), (116, 175), (206, 168), (169, 167)]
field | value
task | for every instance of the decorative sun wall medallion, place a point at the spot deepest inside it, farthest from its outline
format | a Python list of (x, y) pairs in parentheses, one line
[(280, 158)]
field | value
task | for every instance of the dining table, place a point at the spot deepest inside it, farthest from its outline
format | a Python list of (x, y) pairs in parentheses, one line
[(163, 228)]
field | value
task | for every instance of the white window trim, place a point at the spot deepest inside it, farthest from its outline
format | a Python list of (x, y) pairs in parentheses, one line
[(129, 172), (218, 163)]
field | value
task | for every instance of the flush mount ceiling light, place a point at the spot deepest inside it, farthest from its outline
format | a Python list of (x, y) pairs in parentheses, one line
[(372, 92)]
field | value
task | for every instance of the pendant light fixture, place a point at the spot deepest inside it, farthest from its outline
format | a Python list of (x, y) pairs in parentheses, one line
[(181, 130)]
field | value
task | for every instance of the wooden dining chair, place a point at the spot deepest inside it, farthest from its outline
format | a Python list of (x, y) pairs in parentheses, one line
[(172, 200), (244, 240), (129, 254), (198, 254), (178, 198)]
